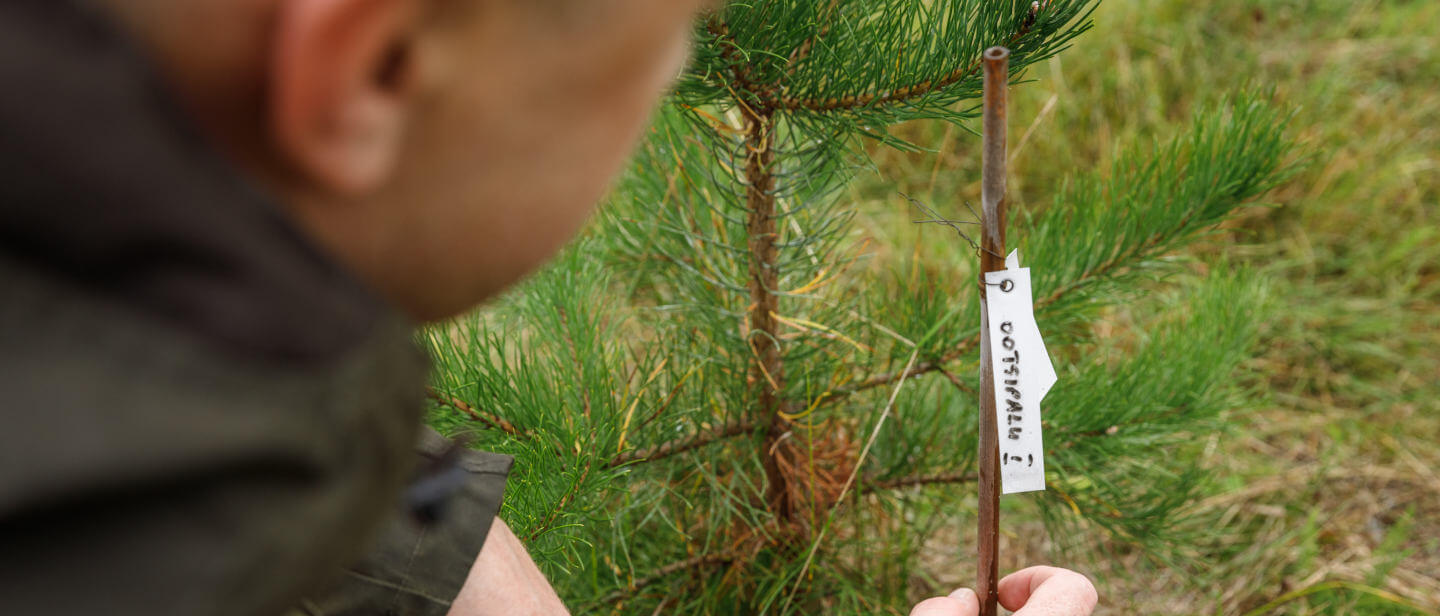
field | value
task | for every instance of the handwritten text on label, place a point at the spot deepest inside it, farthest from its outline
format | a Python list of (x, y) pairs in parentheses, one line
[(1023, 375)]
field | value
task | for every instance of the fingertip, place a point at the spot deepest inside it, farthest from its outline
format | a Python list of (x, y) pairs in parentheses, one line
[(969, 601), (945, 606), (1091, 596), (965, 594), (1014, 589), (1054, 585)]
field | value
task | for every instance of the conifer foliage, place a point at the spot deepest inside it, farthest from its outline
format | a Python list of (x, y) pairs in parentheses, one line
[(693, 391)]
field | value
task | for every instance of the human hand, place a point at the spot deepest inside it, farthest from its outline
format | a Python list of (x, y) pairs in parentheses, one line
[(1036, 591)]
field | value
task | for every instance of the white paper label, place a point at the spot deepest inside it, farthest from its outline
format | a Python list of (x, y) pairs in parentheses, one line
[(1023, 375)]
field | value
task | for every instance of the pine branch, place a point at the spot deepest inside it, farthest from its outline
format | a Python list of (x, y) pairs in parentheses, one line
[(959, 384), (1075, 438), (920, 480), (1116, 262), (575, 358), (682, 445), (739, 68), (772, 96), (494, 421), (559, 506), (695, 562), (664, 404), (803, 50), (889, 378)]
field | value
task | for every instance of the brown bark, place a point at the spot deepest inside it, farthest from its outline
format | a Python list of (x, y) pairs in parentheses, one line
[(767, 372), (992, 258)]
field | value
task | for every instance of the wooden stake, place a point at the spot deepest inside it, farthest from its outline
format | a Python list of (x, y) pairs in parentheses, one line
[(992, 258)]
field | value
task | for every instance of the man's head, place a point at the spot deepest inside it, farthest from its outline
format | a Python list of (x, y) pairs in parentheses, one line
[(439, 148)]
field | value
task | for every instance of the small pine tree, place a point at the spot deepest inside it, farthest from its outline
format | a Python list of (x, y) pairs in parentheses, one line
[(689, 389)]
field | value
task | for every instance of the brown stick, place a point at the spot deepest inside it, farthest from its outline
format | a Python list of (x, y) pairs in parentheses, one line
[(992, 258)]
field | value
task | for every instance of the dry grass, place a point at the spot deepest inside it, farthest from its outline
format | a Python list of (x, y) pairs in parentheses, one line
[(1328, 495)]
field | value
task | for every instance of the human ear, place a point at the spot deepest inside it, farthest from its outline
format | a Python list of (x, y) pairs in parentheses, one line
[(342, 79)]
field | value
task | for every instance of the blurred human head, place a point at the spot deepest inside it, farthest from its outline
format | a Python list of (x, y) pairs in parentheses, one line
[(440, 149)]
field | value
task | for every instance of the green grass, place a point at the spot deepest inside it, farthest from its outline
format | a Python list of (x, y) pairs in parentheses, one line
[(1329, 492)]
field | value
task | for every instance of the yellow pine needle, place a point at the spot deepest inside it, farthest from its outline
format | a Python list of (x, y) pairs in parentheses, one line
[(815, 283), (716, 123), (1069, 501), (799, 323), (820, 280), (760, 364), (635, 402), (814, 404)]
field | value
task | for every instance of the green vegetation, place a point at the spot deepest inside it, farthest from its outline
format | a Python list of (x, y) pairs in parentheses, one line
[(1245, 419)]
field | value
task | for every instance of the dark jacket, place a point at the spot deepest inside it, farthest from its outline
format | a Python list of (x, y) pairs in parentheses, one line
[(199, 412)]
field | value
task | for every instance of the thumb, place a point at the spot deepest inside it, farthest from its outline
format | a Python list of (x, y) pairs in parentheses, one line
[(1047, 591), (962, 602)]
